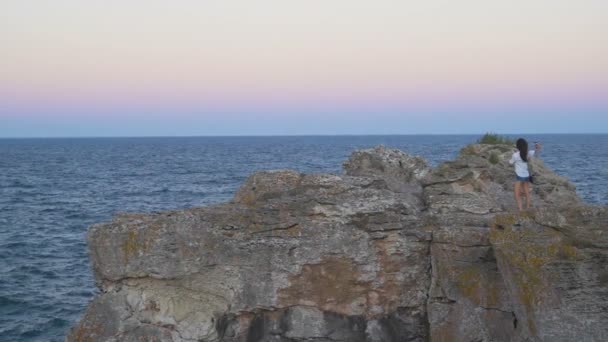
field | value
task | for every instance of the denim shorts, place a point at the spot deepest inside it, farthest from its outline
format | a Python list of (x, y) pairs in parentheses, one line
[(522, 179)]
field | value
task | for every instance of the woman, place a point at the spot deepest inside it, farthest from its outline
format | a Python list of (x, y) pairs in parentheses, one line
[(522, 173)]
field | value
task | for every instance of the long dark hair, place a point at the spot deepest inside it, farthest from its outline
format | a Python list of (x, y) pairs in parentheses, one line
[(522, 146)]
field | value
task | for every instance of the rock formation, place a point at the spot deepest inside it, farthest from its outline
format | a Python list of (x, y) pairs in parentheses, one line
[(390, 251)]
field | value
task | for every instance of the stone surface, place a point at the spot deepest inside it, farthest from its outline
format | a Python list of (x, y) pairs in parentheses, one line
[(555, 268), (391, 250)]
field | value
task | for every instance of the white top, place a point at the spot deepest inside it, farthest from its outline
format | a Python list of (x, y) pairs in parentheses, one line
[(521, 167)]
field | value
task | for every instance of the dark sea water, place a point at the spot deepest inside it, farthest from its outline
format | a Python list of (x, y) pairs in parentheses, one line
[(51, 190)]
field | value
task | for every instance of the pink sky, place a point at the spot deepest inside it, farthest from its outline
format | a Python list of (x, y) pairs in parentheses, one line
[(69, 59)]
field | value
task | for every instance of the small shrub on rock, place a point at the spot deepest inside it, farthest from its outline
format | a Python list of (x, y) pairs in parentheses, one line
[(494, 139)]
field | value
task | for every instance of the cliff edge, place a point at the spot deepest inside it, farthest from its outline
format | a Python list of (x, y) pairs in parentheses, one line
[(391, 250)]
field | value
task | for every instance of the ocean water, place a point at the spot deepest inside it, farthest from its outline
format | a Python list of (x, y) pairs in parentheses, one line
[(51, 190)]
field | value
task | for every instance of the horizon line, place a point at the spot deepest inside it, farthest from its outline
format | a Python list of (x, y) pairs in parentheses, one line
[(291, 135)]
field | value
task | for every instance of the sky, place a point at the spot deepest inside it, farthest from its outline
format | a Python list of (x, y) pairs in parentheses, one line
[(288, 67)]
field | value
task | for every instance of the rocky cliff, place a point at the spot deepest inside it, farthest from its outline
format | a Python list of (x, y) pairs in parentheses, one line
[(392, 250)]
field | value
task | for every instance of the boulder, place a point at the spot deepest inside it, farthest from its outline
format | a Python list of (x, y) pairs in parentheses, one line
[(400, 171)]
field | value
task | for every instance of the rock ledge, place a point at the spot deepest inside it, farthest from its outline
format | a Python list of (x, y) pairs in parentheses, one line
[(391, 250)]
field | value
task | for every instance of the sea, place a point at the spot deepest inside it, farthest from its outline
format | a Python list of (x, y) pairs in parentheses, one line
[(52, 190)]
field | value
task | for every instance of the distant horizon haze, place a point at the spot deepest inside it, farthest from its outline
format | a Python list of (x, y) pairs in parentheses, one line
[(473, 134)]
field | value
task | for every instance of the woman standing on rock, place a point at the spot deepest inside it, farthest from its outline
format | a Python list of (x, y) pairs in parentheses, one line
[(522, 173)]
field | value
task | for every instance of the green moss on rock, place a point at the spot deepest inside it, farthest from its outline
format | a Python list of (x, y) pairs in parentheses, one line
[(527, 252)]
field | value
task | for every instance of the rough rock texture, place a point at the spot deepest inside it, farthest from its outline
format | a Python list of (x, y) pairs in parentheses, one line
[(555, 268), (390, 251)]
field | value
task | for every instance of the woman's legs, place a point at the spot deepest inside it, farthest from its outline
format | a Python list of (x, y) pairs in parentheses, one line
[(527, 194), (518, 195)]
